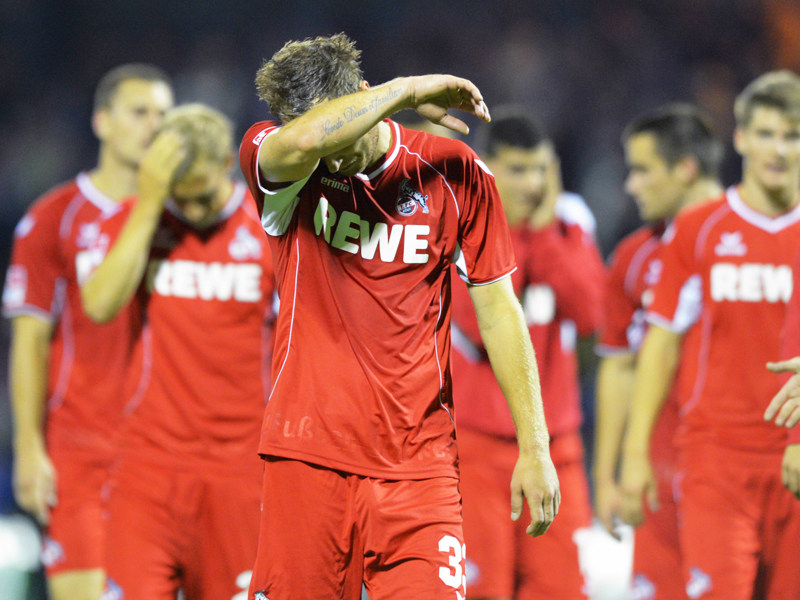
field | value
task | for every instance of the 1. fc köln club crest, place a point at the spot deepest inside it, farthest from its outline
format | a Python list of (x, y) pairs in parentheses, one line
[(410, 200)]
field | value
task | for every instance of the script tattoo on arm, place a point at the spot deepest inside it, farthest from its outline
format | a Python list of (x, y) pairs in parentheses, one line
[(351, 113)]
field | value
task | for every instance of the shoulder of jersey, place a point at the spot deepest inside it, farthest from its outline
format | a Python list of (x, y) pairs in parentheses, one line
[(701, 210), (56, 198)]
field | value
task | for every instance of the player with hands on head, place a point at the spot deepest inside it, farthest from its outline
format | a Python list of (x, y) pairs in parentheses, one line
[(188, 257), (673, 158), (365, 218), (559, 285), (727, 265), (66, 372)]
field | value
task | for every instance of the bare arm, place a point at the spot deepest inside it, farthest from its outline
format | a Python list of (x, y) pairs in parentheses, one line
[(614, 386), (115, 280), (655, 368), (34, 475), (294, 151), (510, 351)]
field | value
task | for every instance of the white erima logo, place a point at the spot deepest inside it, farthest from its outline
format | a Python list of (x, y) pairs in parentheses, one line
[(730, 244), (336, 184)]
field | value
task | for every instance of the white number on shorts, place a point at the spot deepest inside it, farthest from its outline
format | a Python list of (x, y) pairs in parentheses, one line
[(456, 553), (243, 583)]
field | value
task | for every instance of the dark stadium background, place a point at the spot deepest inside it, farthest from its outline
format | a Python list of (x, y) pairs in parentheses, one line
[(583, 67)]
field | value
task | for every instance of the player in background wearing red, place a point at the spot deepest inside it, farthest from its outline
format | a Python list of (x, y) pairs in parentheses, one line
[(187, 255), (65, 370), (717, 313), (559, 281), (673, 159), (364, 218)]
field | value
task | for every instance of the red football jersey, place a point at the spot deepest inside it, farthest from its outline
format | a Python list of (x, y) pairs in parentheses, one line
[(635, 268), (560, 283), (206, 302), (726, 279), (52, 254), (361, 367)]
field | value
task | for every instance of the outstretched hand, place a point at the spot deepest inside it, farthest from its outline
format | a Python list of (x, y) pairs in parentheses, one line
[(784, 407), (433, 95), (535, 479)]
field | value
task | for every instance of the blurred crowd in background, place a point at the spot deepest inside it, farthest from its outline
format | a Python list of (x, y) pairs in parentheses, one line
[(583, 68)]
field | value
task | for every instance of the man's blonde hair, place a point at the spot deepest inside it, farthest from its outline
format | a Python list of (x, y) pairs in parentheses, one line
[(303, 73), (206, 132), (776, 89)]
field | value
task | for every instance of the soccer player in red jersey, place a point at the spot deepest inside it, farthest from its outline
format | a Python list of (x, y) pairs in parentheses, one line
[(364, 218), (559, 282), (189, 257), (65, 370), (717, 313), (673, 160)]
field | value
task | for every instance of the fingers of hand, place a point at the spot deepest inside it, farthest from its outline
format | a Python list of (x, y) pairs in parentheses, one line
[(791, 479), (782, 366)]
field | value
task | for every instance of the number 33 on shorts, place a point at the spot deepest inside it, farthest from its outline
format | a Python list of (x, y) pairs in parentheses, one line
[(453, 575)]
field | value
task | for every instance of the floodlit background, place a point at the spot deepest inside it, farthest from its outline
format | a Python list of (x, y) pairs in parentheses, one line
[(585, 68)]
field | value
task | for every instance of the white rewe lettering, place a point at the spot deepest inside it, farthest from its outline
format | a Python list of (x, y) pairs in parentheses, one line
[(352, 234), (214, 281), (751, 282)]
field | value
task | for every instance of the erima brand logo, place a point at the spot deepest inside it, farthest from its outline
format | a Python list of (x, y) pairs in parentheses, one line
[(699, 583), (52, 552), (88, 233), (751, 282), (653, 273), (260, 136), (350, 233), (244, 245), (642, 588), (206, 281), (24, 226), (16, 286), (730, 244), (336, 184), (410, 199), (112, 591)]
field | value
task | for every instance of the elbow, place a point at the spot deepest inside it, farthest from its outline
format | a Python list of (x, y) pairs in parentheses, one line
[(99, 312)]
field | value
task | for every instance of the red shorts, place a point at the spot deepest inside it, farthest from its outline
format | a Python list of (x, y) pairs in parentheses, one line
[(74, 539), (739, 526), (175, 528), (324, 531), (656, 549), (502, 560)]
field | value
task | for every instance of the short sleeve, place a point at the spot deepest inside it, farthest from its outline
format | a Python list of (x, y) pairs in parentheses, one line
[(678, 295), (275, 206), (485, 253), (36, 267), (618, 309)]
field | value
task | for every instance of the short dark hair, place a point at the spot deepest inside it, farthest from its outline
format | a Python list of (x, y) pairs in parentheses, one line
[(303, 73), (110, 82), (510, 127), (680, 130), (776, 89)]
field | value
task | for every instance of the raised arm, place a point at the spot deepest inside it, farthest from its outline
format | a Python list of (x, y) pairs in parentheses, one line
[(34, 475), (510, 351), (115, 280), (655, 368), (294, 151)]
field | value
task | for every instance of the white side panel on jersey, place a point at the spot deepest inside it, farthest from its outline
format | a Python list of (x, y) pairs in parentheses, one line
[(572, 210), (690, 305), (280, 204)]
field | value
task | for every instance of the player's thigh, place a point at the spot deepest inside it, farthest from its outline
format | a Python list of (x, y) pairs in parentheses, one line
[(781, 532), (548, 566), (76, 585), (227, 536), (75, 537), (144, 543), (414, 545), (488, 528), (656, 554), (308, 542), (718, 537)]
